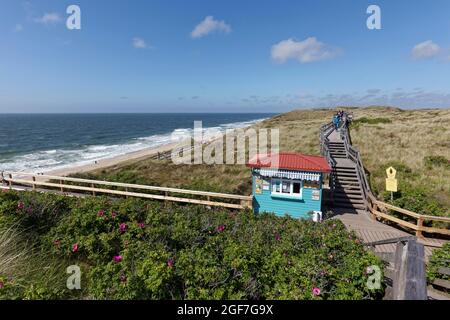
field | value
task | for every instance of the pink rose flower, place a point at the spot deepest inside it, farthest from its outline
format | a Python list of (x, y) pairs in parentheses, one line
[(315, 291), (75, 247), (277, 237), (170, 262), (101, 213), (123, 279), (221, 228), (123, 227), (141, 225), (117, 258), (113, 214), (20, 205)]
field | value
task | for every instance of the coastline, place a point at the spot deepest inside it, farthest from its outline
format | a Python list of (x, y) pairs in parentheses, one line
[(113, 161), (129, 157)]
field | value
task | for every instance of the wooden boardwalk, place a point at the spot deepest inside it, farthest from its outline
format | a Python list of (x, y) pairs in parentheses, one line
[(367, 228)]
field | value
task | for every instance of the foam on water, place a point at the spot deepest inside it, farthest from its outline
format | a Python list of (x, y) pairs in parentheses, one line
[(54, 159)]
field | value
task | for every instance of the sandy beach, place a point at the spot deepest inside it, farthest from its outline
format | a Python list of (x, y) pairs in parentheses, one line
[(105, 163), (129, 157)]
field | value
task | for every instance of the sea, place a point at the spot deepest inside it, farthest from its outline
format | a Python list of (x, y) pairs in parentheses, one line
[(44, 142)]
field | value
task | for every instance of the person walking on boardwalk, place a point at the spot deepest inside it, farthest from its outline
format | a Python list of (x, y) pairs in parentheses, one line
[(336, 121)]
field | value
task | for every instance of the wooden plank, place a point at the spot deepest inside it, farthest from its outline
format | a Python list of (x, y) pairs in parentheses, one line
[(394, 219), (433, 294), (401, 210), (410, 278), (436, 218), (442, 283), (412, 214), (436, 230), (444, 270), (134, 194), (391, 240), (132, 186)]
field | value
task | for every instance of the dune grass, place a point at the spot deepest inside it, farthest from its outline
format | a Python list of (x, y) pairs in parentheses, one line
[(416, 142)]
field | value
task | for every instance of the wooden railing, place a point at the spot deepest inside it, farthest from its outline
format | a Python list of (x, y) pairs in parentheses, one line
[(325, 131), (405, 276), (382, 210), (80, 187)]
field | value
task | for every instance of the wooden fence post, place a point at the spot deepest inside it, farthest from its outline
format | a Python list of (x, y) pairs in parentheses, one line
[(419, 227), (34, 185), (10, 181), (409, 272), (374, 208)]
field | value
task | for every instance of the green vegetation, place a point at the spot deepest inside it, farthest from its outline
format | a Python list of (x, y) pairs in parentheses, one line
[(436, 161), (136, 249), (415, 142), (439, 259), (364, 120)]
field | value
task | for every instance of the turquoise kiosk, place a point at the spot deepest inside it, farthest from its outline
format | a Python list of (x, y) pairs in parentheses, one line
[(288, 183)]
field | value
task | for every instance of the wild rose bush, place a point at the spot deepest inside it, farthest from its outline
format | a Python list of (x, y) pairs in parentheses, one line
[(138, 249)]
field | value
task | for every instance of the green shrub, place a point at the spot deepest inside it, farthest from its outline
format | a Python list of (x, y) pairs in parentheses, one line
[(436, 161), (137, 249), (439, 259), (37, 212), (356, 123)]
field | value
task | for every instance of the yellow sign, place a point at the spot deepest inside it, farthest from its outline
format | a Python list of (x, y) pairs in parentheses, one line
[(391, 182)]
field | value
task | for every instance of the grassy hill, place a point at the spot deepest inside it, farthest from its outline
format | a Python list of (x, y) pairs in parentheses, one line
[(415, 142)]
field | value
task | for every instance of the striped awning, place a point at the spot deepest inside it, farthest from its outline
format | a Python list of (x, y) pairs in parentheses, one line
[(289, 174)]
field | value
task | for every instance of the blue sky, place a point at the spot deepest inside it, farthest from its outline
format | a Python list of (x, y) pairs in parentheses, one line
[(248, 56)]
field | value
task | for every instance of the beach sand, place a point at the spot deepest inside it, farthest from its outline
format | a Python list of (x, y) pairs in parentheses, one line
[(109, 162), (133, 156)]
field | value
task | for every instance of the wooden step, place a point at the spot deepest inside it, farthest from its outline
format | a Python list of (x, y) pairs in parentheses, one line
[(336, 143), (348, 186), (348, 206), (345, 168), (346, 174), (356, 190), (346, 181), (348, 198), (347, 191), (339, 156), (336, 148), (337, 151), (346, 177)]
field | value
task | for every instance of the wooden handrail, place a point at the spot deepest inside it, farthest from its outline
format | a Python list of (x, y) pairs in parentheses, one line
[(380, 209), (245, 201), (129, 185)]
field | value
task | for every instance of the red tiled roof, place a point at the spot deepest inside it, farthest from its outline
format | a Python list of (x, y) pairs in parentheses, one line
[(290, 161)]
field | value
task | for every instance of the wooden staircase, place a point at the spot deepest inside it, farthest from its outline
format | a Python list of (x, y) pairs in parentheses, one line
[(347, 192)]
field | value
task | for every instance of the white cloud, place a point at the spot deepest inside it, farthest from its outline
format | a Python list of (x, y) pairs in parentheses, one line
[(139, 43), (425, 50), (308, 50), (18, 27), (209, 25), (49, 18)]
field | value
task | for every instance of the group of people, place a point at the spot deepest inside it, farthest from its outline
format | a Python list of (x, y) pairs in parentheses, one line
[(338, 118)]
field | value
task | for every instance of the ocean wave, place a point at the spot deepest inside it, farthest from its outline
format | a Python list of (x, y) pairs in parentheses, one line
[(55, 159)]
